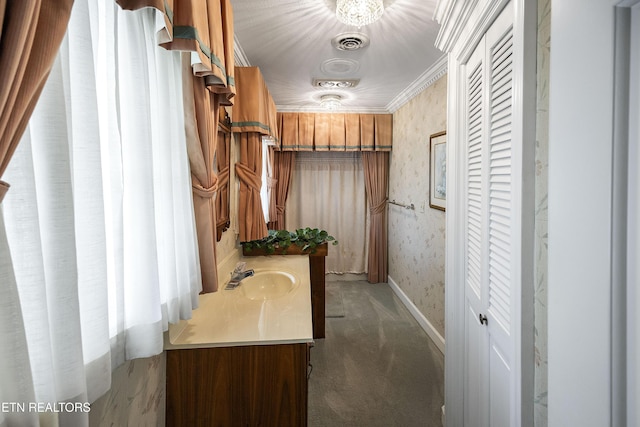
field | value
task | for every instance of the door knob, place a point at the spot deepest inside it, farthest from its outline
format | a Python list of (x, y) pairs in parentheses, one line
[(483, 319)]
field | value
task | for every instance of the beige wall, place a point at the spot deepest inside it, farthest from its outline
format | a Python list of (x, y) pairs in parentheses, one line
[(137, 395), (416, 237)]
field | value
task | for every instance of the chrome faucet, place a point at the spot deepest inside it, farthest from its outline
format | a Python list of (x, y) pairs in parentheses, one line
[(238, 274)]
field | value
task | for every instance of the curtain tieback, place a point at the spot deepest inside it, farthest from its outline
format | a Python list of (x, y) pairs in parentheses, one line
[(280, 209), (248, 176), (208, 192), (4, 187), (223, 177), (379, 208)]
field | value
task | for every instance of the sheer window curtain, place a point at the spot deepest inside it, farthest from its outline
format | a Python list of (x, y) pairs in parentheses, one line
[(268, 182), (328, 192), (99, 218), (31, 33)]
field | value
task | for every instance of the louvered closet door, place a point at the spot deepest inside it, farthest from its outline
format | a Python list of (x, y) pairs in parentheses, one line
[(476, 351), (491, 250)]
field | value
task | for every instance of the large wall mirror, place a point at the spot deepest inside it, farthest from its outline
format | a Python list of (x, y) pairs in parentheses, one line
[(222, 163)]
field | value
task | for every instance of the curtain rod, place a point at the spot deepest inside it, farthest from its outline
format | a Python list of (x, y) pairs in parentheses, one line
[(393, 202)]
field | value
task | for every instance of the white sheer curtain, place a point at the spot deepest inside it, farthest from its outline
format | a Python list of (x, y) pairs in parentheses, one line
[(99, 218), (327, 192), (267, 174)]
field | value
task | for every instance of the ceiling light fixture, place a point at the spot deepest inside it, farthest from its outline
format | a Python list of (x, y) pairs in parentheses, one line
[(335, 84), (330, 102), (359, 12)]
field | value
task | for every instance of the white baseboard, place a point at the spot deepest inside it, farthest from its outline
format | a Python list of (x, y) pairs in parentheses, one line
[(435, 336)]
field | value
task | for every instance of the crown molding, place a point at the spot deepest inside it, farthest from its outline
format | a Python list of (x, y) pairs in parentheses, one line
[(453, 17), (426, 79), (463, 22), (239, 57), (318, 109)]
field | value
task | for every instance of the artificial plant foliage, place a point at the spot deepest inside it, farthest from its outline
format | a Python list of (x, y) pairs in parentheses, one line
[(305, 238)]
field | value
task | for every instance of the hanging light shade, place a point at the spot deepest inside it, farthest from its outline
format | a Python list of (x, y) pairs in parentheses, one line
[(330, 102), (359, 12)]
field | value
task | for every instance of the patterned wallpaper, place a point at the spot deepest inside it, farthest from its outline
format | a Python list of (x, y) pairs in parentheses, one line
[(417, 237), (137, 395), (541, 191)]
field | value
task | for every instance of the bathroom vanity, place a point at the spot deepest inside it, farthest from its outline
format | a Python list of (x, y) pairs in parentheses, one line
[(242, 360), (317, 274)]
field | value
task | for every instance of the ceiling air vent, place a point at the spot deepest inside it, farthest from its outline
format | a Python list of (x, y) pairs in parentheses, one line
[(350, 41)]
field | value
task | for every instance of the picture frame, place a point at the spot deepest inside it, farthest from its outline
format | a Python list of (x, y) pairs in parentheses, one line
[(438, 170)]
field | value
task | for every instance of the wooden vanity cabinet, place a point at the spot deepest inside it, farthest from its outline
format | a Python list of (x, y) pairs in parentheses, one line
[(259, 385)]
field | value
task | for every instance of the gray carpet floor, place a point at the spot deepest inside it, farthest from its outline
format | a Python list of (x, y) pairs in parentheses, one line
[(376, 366)]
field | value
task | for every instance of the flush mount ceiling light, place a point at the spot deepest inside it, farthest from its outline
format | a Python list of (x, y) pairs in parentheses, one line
[(330, 102), (359, 12)]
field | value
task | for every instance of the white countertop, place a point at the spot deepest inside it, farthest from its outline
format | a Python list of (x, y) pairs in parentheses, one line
[(228, 318)]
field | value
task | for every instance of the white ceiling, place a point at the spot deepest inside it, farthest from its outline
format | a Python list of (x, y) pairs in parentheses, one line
[(290, 41)]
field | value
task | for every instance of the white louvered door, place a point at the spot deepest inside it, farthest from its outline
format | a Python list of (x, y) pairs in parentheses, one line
[(476, 349), (491, 271)]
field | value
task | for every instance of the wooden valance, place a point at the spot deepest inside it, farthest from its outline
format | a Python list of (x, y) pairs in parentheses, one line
[(335, 132), (254, 110)]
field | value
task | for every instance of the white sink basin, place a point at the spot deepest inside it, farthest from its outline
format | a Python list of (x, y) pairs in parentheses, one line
[(264, 285)]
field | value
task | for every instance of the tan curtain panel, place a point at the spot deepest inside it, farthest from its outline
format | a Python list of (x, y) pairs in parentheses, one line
[(254, 117), (204, 28), (297, 130), (253, 108), (201, 109), (306, 126), (352, 132), (283, 170), (329, 132), (288, 129), (272, 117), (31, 33), (376, 179), (228, 89), (335, 132), (249, 171), (222, 198), (322, 132)]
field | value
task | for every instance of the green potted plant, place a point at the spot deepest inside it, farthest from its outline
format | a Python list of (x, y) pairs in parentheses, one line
[(303, 240)]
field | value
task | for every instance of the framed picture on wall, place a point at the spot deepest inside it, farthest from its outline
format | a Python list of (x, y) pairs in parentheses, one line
[(438, 170)]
